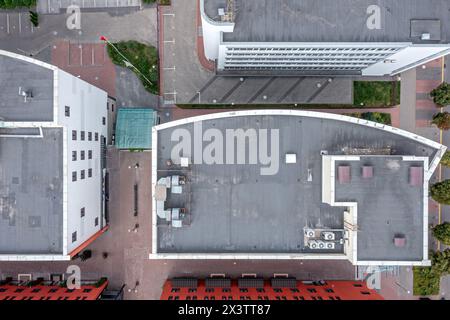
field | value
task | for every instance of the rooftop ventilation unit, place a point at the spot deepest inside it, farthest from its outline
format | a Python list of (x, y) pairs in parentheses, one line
[(26, 94), (330, 245), (426, 36), (310, 233), (329, 236), (312, 244)]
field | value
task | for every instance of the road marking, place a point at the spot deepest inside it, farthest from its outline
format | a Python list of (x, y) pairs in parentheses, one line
[(169, 41), (81, 54), (169, 14), (7, 22), (20, 22), (171, 68)]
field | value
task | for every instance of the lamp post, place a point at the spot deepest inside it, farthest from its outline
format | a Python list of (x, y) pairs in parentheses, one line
[(135, 288), (135, 229)]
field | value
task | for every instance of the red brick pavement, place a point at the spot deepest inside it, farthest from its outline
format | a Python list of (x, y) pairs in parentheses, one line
[(426, 86), (89, 61), (428, 104)]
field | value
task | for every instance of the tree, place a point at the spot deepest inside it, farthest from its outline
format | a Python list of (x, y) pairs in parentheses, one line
[(442, 232), (442, 120), (445, 161), (440, 192), (441, 95)]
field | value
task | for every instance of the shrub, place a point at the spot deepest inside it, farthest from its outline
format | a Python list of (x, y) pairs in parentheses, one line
[(441, 95), (442, 232), (34, 18), (445, 161), (427, 279), (440, 192), (12, 4), (442, 120), (143, 57)]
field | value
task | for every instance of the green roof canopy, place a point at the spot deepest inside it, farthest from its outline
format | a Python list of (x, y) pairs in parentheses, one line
[(134, 128)]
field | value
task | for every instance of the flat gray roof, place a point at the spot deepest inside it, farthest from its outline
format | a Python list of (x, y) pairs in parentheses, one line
[(15, 74), (333, 20), (233, 209), (31, 194), (387, 206)]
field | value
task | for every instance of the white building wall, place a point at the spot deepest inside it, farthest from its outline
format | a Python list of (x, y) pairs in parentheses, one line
[(212, 33), (88, 107), (407, 58)]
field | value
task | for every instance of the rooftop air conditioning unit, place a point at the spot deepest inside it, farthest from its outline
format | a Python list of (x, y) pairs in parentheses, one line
[(322, 245), (329, 236), (312, 244), (330, 245), (426, 36), (310, 233)]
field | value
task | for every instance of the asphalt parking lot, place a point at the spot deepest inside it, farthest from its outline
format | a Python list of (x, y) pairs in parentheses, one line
[(16, 23)]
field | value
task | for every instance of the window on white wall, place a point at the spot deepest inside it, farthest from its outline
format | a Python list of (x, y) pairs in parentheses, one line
[(82, 155), (89, 136), (96, 221), (82, 174), (82, 135), (96, 136), (90, 154), (103, 120), (90, 173), (74, 156), (82, 212), (74, 236), (67, 111), (74, 176), (74, 134)]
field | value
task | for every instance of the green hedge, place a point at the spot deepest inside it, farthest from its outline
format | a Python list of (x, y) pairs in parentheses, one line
[(12, 4), (376, 93)]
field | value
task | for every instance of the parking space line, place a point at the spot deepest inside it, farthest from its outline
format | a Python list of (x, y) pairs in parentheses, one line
[(169, 68), (169, 41), (20, 22), (7, 22), (81, 54)]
